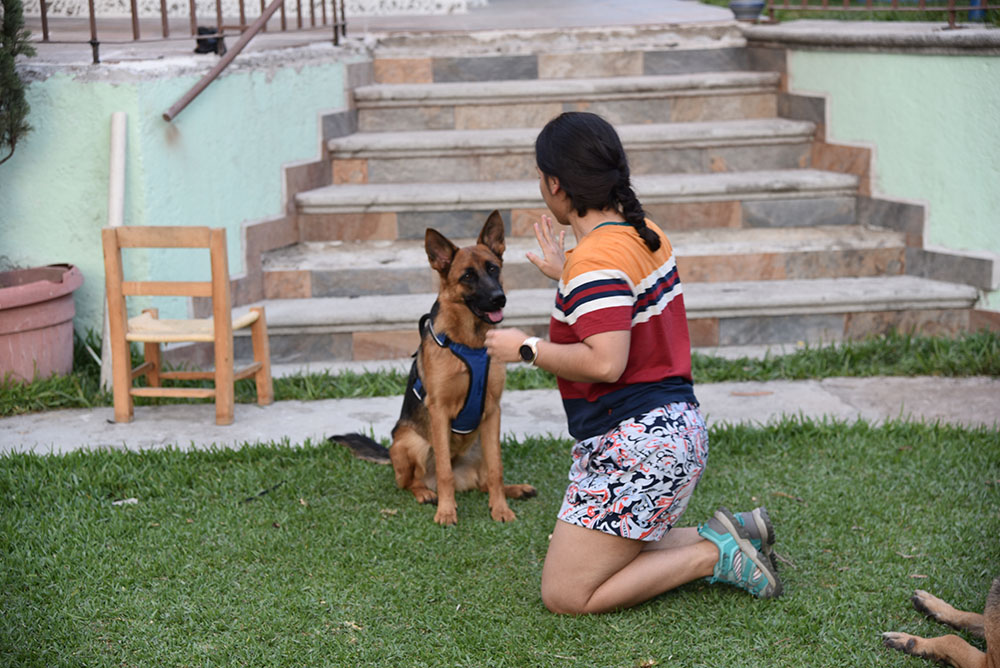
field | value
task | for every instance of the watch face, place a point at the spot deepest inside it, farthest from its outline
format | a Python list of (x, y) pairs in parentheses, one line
[(526, 353)]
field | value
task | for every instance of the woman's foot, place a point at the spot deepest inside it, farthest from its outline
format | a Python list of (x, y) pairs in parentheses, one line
[(758, 525), (740, 563)]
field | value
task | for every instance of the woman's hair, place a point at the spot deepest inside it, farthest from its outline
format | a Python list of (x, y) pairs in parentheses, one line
[(584, 152)]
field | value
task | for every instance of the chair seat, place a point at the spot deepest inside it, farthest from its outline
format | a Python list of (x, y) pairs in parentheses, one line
[(146, 328)]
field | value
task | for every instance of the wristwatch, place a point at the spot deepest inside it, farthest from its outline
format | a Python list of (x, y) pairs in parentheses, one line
[(529, 349)]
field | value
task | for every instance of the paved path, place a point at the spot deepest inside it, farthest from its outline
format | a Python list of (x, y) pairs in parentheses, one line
[(963, 401)]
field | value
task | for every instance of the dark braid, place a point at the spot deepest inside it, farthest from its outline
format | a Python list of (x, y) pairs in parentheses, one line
[(634, 215), (584, 152)]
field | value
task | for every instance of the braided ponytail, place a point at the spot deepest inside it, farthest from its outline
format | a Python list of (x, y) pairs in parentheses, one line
[(632, 210)]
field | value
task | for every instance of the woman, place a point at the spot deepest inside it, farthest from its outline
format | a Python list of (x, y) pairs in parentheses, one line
[(619, 345)]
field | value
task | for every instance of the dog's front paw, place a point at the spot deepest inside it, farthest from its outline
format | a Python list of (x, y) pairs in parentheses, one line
[(446, 516), (904, 642), (503, 513)]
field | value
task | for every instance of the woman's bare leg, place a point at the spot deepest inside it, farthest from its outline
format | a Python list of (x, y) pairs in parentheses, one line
[(677, 537), (589, 571)]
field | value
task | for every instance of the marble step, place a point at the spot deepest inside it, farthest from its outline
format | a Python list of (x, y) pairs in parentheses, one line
[(508, 153), (720, 314), (530, 103), (356, 268), (768, 198)]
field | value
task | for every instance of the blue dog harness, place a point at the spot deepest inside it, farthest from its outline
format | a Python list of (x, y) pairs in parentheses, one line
[(478, 363)]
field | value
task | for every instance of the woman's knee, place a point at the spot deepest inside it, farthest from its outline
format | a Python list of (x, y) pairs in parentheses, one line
[(562, 602)]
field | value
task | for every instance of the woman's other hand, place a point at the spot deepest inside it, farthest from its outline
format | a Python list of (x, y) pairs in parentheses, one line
[(552, 247)]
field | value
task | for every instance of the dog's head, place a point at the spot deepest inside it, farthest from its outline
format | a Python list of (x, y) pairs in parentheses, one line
[(471, 275)]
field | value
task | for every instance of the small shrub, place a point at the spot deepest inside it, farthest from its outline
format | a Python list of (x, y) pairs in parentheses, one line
[(13, 105)]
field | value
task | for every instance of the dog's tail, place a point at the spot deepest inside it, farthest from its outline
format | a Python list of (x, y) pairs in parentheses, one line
[(362, 447)]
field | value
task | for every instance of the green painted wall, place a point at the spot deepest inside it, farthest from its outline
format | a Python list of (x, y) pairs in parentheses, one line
[(219, 163), (934, 122)]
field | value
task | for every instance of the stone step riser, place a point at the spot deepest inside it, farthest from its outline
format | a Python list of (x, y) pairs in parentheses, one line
[(620, 61), (519, 274), (653, 107), (672, 216), (519, 164), (305, 346)]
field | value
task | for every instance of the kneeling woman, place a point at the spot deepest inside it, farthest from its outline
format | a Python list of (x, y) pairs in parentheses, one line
[(619, 345)]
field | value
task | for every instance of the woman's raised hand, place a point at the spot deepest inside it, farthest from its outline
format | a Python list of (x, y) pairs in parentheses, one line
[(553, 249)]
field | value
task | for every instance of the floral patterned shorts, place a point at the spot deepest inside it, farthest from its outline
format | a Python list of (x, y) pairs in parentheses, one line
[(636, 480)]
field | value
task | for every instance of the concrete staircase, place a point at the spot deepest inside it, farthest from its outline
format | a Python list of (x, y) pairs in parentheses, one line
[(771, 248)]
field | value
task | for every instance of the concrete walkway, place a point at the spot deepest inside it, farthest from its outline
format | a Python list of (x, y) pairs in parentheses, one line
[(960, 401)]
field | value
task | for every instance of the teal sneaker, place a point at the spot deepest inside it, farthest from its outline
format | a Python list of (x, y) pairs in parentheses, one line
[(740, 563), (758, 525)]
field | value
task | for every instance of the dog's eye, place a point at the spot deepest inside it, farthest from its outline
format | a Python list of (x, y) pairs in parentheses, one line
[(492, 269), (469, 276)]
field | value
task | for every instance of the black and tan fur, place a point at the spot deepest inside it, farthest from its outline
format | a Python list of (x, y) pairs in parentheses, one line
[(428, 458), (951, 649)]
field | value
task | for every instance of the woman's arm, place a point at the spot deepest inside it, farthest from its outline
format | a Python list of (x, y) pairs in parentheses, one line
[(600, 358)]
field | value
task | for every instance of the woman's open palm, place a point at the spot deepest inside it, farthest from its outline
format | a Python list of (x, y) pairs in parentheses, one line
[(552, 247)]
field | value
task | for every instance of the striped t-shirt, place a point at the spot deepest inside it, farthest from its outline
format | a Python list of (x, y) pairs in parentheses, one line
[(612, 282)]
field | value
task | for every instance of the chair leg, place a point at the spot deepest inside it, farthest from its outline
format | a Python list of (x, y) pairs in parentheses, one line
[(151, 354), (262, 354), (121, 380), (224, 389)]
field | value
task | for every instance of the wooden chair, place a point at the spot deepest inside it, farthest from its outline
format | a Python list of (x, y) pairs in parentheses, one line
[(148, 329)]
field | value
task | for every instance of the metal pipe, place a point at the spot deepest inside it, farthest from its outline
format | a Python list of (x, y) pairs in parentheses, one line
[(244, 39)]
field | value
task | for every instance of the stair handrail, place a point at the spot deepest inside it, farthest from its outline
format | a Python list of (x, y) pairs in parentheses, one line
[(223, 63)]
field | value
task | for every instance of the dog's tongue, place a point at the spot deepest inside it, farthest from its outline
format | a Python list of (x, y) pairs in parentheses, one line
[(495, 316)]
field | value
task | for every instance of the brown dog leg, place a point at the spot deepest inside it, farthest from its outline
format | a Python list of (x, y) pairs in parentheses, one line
[(493, 464), (947, 649), (951, 649), (447, 510), (944, 613), (409, 456)]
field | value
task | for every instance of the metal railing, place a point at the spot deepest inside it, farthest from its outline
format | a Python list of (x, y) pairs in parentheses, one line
[(315, 15), (952, 8)]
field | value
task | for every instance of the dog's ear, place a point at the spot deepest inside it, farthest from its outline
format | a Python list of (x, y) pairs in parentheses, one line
[(440, 251), (491, 235)]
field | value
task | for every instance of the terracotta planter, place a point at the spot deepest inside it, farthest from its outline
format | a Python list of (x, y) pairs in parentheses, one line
[(36, 321)]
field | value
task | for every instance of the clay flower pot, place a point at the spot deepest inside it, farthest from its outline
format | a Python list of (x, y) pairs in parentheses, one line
[(36, 321)]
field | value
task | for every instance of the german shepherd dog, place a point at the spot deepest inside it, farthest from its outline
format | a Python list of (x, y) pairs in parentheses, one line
[(951, 649), (430, 450)]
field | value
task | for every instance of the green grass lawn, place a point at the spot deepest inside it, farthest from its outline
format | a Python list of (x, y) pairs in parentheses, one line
[(333, 566)]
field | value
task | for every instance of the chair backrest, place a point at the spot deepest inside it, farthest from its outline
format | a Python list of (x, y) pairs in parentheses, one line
[(218, 289)]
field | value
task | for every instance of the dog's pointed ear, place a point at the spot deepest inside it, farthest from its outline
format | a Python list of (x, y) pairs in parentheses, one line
[(440, 251), (491, 235)]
